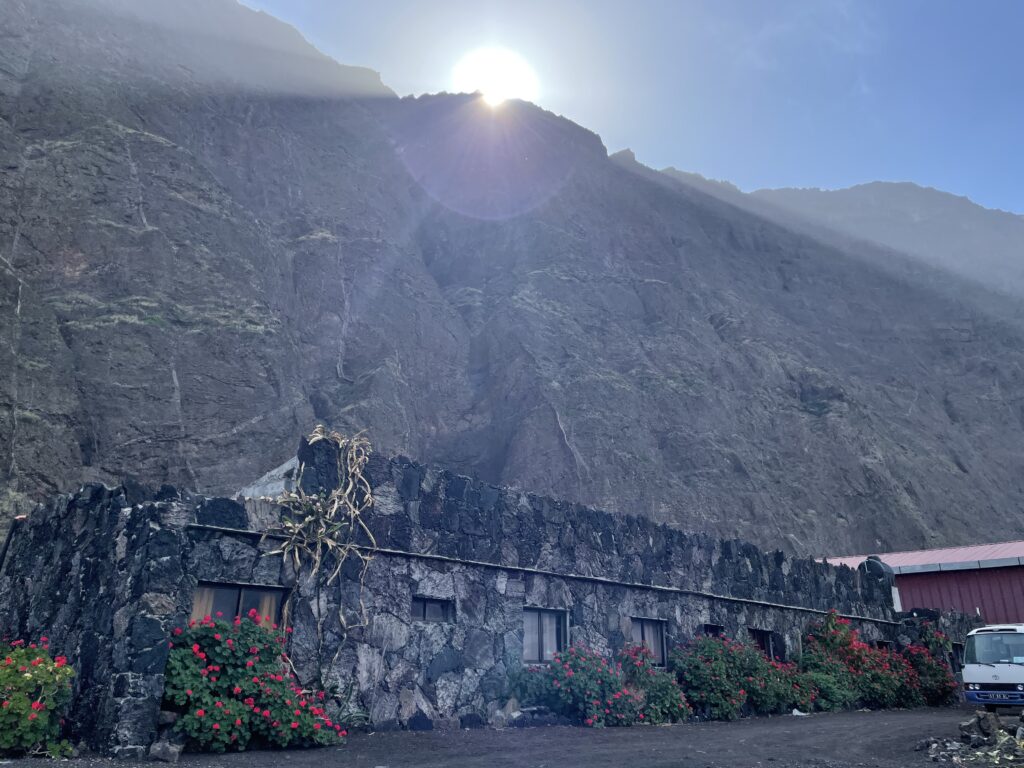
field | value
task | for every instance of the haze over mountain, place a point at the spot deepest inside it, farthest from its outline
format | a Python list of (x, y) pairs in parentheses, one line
[(942, 229), (214, 237)]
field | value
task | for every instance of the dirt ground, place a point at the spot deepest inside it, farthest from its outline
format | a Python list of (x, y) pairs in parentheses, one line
[(845, 740)]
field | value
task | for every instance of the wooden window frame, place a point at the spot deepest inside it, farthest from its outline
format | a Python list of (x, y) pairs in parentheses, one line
[(447, 609), (561, 634)]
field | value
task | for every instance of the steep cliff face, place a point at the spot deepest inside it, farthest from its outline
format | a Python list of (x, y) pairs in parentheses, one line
[(213, 240)]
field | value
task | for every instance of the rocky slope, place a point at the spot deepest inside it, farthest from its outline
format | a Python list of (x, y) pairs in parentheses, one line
[(213, 237), (941, 229)]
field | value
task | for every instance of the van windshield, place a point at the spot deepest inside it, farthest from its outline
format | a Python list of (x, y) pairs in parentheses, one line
[(995, 648)]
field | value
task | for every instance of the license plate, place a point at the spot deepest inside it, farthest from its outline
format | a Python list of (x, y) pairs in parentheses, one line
[(1000, 696)]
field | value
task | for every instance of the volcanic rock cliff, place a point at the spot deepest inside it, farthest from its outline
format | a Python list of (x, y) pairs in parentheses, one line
[(213, 236)]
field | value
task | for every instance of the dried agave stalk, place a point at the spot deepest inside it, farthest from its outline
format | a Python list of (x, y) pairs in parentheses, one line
[(319, 533)]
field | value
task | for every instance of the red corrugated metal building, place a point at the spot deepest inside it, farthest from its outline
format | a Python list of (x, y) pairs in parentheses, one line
[(986, 580)]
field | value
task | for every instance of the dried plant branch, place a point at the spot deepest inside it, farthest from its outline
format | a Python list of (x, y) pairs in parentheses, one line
[(320, 533)]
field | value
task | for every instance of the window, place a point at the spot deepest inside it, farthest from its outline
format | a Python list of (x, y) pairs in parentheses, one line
[(544, 633), (995, 648), (229, 600), (651, 633), (714, 630), (429, 609), (771, 643), (883, 645)]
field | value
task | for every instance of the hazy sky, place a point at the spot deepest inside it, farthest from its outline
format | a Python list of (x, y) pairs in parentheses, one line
[(823, 93)]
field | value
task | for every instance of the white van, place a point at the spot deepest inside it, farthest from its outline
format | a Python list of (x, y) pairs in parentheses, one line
[(994, 666)]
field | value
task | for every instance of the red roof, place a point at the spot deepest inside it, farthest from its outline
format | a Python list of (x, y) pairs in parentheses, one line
[(1003, 554)]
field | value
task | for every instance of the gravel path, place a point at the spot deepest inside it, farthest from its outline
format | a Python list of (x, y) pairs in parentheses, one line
[(845, 740)]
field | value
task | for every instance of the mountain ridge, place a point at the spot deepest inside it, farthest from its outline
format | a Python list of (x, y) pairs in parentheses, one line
[(197, 272)]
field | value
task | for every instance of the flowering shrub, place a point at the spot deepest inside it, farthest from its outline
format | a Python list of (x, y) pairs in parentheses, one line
[(592, 689), (832, 678), (775, 687), (586, 686), (34, 689), (881, 679), (712, 672), (230, 683), (937, 642), (662, 700), (938, 685), (726, 679)]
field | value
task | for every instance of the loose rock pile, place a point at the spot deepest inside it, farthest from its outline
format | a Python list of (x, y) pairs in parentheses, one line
[(985, 739)]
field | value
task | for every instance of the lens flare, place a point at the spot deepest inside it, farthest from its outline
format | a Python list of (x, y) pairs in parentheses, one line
[(498, 74)]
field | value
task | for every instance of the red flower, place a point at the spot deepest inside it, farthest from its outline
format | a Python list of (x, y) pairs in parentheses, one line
[(216, 726), (295, 725), (200, 713)]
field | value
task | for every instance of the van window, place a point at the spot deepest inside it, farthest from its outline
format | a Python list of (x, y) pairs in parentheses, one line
[(995, 648)]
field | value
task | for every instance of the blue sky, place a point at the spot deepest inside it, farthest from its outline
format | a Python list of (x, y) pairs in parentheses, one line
[(815, 93)]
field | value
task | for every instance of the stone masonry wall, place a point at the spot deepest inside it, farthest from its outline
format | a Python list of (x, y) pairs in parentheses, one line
[(107, 575), (103, 579)]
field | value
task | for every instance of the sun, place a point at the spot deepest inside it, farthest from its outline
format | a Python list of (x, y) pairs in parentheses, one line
[(497, 73)]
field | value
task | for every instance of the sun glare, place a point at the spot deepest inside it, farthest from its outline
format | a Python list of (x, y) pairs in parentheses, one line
[(497, 73)]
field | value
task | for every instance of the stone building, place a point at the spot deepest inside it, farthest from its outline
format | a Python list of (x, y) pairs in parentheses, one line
[(467, 583)]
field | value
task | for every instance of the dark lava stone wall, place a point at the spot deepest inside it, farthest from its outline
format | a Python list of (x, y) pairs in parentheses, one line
[(429, 511), (107, 576), (104, 580), (493, 551)]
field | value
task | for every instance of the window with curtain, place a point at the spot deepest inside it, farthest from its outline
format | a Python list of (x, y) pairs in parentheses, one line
[(230, 600), (651, 633), (544, 634)]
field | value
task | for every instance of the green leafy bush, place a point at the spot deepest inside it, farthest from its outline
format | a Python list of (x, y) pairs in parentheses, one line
[(775, 687), (880, 679), (726, 679), (833, 693), (938, 685), (712, 672), (590, 688), (661, 698), (532, 687), (34, 690), (585, 686), (231, 684)]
